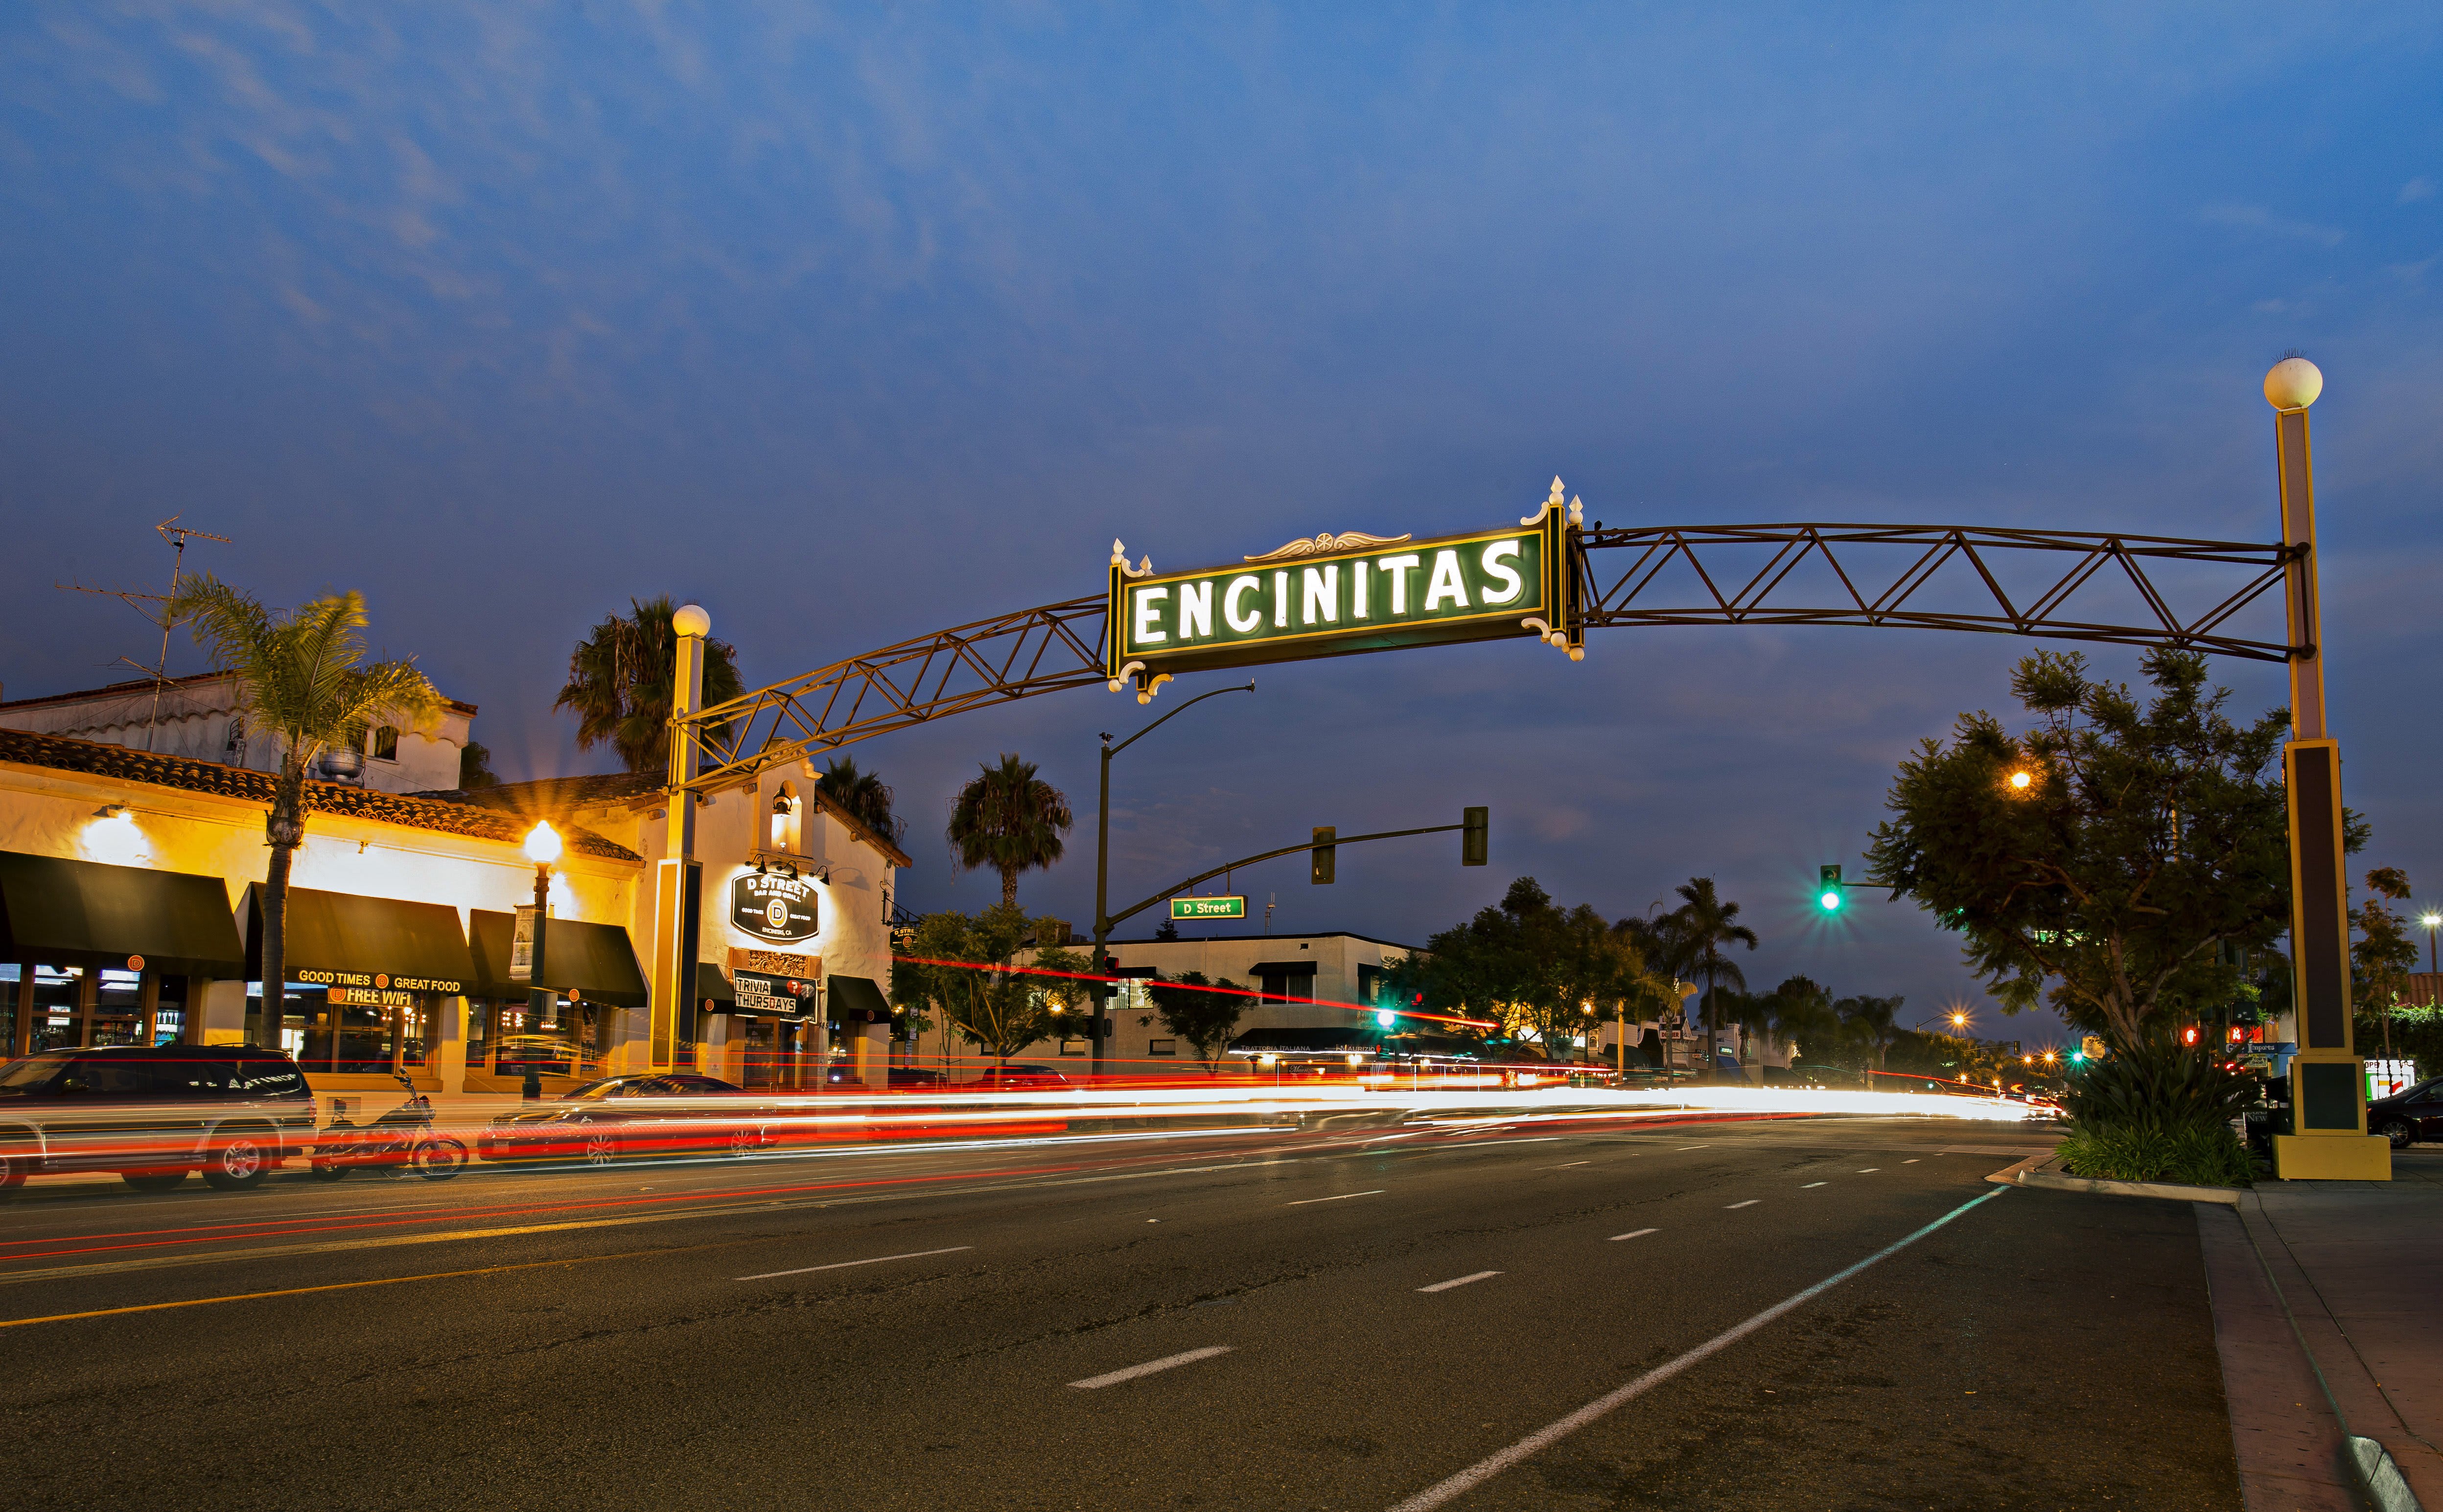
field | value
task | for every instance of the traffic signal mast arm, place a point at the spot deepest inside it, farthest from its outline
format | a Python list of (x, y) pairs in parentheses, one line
[(1269, 855)]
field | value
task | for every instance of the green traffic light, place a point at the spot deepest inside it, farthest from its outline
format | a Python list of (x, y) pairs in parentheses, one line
[(1832, 901)]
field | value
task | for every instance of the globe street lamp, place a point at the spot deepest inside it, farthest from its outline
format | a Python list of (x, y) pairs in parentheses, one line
[(543, 849)]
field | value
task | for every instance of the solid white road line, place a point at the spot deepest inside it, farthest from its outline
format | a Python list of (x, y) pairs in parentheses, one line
[(1445, 1285), (843, 1264), (1811, 1185), (1343, 1198), (1543, 1438), (1168, 1362), (1736, 1206), (1638, 1235)]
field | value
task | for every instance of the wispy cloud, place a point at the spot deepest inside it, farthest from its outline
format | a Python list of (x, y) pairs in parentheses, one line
[(2415, 190), (2257, 218)]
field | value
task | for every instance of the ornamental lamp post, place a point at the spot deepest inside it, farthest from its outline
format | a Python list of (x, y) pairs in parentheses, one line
[(543, 849), (2433, 922), (2328, 1139)]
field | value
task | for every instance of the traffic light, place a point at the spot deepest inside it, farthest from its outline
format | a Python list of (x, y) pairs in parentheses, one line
[(1475, 836), (1325, 853), (1828, 888)]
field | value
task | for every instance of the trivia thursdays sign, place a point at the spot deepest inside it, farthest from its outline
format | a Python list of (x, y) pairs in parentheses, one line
[(1337, 595)]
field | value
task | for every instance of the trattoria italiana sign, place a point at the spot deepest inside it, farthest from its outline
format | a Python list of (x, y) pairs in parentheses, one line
[(1341, 594)]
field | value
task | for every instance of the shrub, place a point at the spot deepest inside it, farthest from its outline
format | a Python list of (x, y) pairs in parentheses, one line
[(2193, 1155), (2156, 1112)]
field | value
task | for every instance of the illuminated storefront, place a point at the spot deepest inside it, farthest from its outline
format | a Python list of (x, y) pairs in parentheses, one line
[(101, 955), (595, 980), (373, 984)]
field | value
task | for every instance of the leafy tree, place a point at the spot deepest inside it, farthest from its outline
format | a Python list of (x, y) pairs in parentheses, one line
[(2382, 955), (301, 678), (1010, 820), (1203, 1014), (2147, 846), (864, 795), (979, 993), (1702, 925), (1529, 964), (620, 684)]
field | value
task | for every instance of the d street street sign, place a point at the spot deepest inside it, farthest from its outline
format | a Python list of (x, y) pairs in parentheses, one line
[(771, 905), (1340, 594), (1208, 907)]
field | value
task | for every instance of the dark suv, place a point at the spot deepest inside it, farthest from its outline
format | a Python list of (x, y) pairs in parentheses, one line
[(154, 1114)]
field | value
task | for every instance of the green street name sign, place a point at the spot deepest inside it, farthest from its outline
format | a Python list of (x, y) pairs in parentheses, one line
[(1337, 595), (1208, 907)]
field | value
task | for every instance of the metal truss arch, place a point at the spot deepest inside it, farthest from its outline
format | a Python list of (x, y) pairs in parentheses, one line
[(1057, 646)]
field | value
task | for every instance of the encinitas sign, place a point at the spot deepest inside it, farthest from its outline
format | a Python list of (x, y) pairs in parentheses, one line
[(1340, 594)]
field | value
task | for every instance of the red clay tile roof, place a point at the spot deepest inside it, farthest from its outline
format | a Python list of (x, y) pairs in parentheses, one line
[(416, 812), (550, 795), (145, 684)]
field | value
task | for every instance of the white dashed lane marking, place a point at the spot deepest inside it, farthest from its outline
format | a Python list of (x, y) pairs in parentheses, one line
[(1168, 1362), (1736, 1206), (1810, 1185), (1637, 1234), (1343, 1198), (1445, 1285), (843, 1264)]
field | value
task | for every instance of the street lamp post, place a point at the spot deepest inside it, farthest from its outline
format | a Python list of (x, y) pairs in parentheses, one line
[(1102, 989), (2432, 922), (543, 849), (2328, 1137)]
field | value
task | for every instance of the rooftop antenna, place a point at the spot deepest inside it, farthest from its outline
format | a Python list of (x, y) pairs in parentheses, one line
[(178, 536)]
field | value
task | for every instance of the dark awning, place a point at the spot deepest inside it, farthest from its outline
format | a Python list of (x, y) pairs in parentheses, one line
[(380, 943), (83, 913), (712, 982), (1281, 968), (595, 961), (858, 995)]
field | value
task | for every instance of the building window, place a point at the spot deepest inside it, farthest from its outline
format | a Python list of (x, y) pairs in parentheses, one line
[(382, 744), (1162, 1048), (1281, 986), (1370, 982)]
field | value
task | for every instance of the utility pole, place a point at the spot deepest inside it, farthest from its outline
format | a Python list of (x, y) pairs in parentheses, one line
[(1103, 919)]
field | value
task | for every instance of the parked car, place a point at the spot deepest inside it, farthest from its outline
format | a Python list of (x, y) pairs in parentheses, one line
[(2410, 1114), (908, 1078), (663, 1113), (153, 1113)]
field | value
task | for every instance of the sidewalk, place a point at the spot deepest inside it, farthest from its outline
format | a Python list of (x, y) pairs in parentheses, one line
[(2352, 1270)]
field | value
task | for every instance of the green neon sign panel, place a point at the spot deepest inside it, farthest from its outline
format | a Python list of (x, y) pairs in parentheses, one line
[(1337, 595), (1208, 907)]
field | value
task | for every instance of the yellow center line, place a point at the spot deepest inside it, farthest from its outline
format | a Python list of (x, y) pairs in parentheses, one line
[(351, 1285)]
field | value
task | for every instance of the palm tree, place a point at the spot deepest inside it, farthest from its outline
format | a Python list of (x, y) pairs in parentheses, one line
[(1010, 820), (1704, 924), (302, 679), (1870, 1019), (619, 683), (864, 795)]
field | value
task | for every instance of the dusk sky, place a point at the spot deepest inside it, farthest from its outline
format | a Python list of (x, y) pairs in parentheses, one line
[(851, 325)]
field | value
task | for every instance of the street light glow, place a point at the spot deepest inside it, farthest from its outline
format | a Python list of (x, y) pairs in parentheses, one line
[(2431, 920), (542, 844), (2021, 781)]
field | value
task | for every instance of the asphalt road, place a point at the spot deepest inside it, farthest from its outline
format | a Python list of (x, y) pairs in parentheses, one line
[(1343, 1320)]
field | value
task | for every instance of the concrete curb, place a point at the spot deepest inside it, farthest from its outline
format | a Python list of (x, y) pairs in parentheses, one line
[(2386, 1485), (2035, 1172)]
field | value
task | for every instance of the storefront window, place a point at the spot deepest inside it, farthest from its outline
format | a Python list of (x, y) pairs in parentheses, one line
[(57, 992), (572, 1041), (169, 1011), (119, 1009)]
